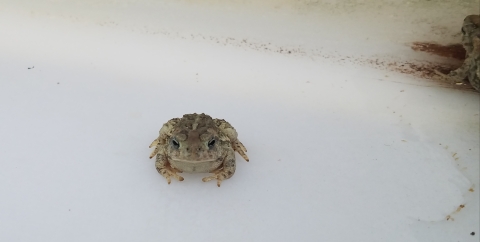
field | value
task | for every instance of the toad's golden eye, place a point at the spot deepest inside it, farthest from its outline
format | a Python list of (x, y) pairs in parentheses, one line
[(211, 143), (175, 144)]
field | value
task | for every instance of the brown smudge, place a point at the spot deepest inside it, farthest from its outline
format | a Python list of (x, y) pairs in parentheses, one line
[(455, 51)]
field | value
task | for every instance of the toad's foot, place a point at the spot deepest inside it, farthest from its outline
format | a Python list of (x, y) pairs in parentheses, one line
[(240, 149), (155, 151), (452, 79), (168, 172), (219, 176)]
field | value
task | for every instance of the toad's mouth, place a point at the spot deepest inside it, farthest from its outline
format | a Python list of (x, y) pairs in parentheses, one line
[(193, 160)]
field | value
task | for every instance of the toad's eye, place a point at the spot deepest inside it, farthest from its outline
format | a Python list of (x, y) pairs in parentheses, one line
[(211, 143), (175, 144)]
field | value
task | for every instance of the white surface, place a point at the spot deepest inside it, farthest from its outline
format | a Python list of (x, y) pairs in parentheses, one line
[(338, 151)]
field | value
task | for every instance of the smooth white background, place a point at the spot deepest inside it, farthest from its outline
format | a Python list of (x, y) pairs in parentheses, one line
[(339, 150)]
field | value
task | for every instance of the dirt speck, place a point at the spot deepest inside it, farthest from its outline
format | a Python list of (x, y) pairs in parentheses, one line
[(460, 207), (455, 51), (471, 189), (420, 69)]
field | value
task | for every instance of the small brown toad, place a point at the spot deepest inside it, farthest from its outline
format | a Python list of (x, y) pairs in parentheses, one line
[(196, 143)]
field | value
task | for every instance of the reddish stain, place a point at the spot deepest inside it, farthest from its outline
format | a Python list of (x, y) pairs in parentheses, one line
[(455, 51)]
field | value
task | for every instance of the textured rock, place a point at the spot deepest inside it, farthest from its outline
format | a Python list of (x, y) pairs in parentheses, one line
[(471, 42)]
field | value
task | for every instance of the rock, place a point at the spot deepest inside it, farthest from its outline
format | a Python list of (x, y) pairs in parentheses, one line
[(470, 68)]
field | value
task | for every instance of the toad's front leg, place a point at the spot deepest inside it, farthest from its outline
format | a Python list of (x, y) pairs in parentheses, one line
[(232, 135), (226, 170), (164, 168)]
